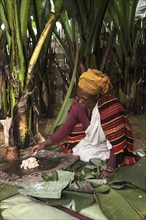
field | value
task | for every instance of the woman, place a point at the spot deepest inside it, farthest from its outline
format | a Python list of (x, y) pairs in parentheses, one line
[(106, 132)]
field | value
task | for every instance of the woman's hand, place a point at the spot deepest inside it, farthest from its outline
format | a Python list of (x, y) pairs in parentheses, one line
[(40, 146), (36, 148), (106, 173)]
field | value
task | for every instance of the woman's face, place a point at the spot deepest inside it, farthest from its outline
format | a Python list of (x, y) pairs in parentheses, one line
[(85, 100)]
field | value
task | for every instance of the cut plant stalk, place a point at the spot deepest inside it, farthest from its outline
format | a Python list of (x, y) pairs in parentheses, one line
[(22, 130), (37, 50)]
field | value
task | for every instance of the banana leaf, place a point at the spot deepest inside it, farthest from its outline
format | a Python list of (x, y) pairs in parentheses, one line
[(136, 198), (72, 199), (80, 200), (51, 189), (122, 204), (7, 191), (134, 174), (38, 48), (93, 212), (64, 201), (21, 207)]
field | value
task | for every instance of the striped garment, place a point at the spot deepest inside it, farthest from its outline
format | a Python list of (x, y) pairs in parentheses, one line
[(116, 127)]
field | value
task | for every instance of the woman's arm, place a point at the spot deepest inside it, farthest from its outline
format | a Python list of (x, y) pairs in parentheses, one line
[(67, 127), (75, 115), (111, 165)]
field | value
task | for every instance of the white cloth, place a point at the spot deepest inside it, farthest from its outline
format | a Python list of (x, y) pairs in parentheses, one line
[(94, 144)]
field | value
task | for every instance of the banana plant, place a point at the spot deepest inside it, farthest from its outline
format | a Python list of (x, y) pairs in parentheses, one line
[(83, 23), (40, 12), (3, 87), (15, 22), (89, 16), (15, 16), (129, 37), (68, 95), (23, 130)]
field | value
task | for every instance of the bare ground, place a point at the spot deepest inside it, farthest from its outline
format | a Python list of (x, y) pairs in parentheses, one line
[(138, 124)]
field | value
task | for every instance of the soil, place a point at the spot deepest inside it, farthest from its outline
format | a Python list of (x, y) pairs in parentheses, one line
[(138, 124)]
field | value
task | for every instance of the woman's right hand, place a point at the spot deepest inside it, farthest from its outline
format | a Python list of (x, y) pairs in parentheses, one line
[(40, 146), (36, 148)]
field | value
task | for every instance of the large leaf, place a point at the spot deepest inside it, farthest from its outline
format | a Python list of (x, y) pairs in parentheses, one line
[(94, 212), (136, 198), (140, 9), (50, 189), (7, 191), (134, 174), (21, 207), (80, 200), (24, 21), (38, 48), (115, 206)]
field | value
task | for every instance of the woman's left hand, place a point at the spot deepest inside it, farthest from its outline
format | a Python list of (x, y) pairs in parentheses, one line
[(106, 173)]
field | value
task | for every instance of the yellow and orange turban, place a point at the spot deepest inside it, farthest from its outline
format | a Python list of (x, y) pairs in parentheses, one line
[(95, 82)]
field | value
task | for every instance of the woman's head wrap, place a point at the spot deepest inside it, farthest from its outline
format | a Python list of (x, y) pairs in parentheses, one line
[(95, 82)]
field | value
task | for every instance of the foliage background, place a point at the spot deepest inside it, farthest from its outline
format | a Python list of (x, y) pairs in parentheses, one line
[(109, 35)]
